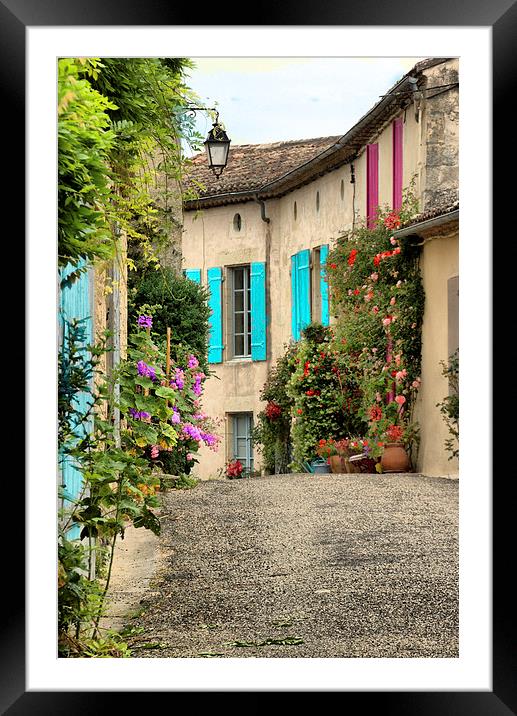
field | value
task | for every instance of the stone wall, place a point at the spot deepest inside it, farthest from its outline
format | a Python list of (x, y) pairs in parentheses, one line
[(441, 133)]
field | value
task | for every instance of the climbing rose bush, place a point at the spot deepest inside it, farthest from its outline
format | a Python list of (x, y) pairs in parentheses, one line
[(378, 300)]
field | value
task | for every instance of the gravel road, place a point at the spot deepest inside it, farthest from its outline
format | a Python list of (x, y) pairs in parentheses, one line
[(338, 565)]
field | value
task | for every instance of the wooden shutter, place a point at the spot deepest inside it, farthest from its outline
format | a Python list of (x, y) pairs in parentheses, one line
[(294, 297), (300, 292), (372, 183), (258, 311), (324, 287), (193, 275), (397, 163), (75, 301), (215, 341), (304, 289)]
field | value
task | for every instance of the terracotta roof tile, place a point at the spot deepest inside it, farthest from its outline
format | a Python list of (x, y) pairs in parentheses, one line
[(432, 213), (251, 166)]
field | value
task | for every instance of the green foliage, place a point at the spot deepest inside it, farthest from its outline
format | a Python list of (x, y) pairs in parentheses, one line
[(450, 405), (176, 302), (85, 142), (324, 391), (121, 122), (272, 430)]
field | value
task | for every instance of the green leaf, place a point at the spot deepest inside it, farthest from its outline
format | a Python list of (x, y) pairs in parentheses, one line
[(164, 392)]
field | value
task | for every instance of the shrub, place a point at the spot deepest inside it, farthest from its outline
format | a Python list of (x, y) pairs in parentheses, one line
[(175, 302)]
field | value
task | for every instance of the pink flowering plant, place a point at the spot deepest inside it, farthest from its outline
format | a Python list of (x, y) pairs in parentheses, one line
[(163, 412), (377, 296)]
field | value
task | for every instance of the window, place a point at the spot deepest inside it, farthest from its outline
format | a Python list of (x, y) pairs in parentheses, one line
[(241, 312), (242, 446), (295, 211), (317, 201), (237, 222)]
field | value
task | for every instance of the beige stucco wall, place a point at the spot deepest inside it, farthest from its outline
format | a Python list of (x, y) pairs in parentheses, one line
[(209, 239), (439, 263)]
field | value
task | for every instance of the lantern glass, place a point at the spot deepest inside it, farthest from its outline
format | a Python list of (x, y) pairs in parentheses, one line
[(217, 153)]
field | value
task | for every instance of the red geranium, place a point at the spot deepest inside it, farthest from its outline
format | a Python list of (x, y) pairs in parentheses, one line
[(392, 221), (375, 413), (234, 469), (351, 258), (394, 433), (273, 411)]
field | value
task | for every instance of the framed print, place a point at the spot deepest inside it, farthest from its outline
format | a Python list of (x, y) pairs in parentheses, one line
[(91, 29)]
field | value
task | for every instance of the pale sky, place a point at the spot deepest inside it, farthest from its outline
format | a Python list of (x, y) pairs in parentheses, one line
[(267, 99)]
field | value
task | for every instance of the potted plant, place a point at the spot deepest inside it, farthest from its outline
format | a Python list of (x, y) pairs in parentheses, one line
[(394, 456), (234, 469), (359, 458), (336, 453), (326, 450)]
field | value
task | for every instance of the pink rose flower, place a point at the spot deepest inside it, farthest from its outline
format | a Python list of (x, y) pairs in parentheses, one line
[(400, 399), (392, 301), (375, 309), (386, 321), (374, 276)]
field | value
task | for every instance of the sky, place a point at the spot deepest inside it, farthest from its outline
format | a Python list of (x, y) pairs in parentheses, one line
[(267, 99)]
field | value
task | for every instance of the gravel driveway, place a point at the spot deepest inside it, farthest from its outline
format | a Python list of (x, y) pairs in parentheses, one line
[(338, 565)]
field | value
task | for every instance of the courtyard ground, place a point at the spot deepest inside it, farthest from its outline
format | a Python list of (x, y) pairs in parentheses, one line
[(295, 566)]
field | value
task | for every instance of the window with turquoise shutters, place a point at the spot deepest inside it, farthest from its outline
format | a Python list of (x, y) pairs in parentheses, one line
[(215, 341), (258, 310), (324, 287), (300, 292), (193, 275)]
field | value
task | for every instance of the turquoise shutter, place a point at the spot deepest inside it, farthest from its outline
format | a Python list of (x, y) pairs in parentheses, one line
[(193, 275), (74, 302), (304, 289), (324, 287), (215, 343), (258, 311), (294, 297)]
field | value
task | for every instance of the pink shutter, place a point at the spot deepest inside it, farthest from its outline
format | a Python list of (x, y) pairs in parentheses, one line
[(397, 163), (372, 183)]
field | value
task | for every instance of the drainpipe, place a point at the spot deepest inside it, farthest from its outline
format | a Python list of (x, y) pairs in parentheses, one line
[(262, 209), (267, 252)]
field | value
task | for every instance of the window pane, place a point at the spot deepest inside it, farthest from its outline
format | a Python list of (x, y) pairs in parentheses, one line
[(242, 446), (238, 278), (239, 323), (239, 301), (249, 323), (239, 426), (239, 345)]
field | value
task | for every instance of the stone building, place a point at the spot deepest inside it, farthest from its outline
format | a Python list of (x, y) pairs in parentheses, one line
[(258, 237)]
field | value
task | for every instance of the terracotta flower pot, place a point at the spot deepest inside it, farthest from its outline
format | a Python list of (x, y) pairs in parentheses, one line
[(338, 464), (395, 458)]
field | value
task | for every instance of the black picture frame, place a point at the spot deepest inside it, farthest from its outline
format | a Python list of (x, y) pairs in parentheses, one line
[(501, 16)]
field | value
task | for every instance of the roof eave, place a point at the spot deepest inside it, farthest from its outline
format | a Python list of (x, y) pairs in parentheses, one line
[(424, 226)]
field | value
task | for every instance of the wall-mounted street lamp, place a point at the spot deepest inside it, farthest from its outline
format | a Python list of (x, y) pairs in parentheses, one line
[(217, 144)]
